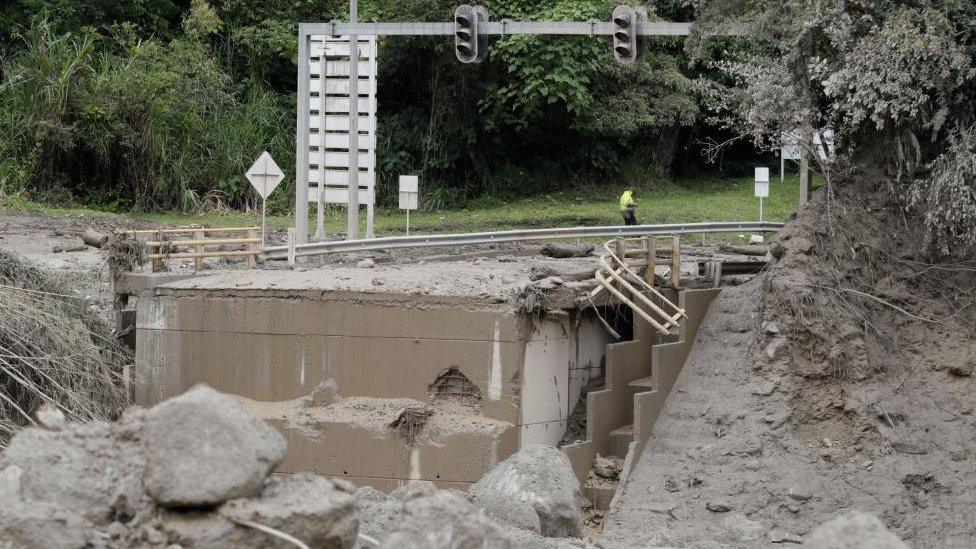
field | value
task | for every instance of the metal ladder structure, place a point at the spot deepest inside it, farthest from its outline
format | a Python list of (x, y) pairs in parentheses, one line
[(617, 277)]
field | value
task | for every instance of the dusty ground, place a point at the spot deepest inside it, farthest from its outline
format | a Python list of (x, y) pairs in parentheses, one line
[(802, 399)]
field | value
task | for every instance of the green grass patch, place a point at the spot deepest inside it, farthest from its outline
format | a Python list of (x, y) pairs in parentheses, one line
[(691, 200)]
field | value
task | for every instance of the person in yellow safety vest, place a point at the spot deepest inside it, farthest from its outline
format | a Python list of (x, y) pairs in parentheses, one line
[(628, 207)]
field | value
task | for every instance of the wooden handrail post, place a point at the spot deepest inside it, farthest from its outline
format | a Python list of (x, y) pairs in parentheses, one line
[(198, 261), (651, 245), (252, 260), (157, 264)]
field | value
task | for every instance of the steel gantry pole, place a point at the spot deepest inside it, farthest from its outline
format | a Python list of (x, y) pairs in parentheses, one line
[(301, 138), (352, 221)]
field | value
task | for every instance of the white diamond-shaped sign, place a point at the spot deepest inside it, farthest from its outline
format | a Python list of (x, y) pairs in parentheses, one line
[(265, 175)]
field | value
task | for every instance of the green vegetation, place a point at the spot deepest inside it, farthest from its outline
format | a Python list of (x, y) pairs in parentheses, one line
[(691, 200), (144, 105)]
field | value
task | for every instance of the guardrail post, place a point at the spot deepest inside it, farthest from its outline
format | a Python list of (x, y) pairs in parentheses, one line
[(676, 261), (198, 261), (291, 246)]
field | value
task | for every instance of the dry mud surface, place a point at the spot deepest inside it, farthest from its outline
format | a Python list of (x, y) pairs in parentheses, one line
[(841, 379), (736, 461)]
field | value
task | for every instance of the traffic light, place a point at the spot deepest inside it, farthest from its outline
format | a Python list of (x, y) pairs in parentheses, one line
[(468, 44), (627, 45)]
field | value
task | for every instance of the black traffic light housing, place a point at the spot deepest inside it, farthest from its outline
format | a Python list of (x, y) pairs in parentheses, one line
[(627, 45), (469, 44)]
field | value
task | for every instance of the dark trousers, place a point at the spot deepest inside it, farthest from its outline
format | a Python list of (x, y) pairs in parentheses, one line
[(630, 216)]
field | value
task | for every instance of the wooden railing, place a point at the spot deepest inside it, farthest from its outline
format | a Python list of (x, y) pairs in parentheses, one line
[(616, 277), (194, 243)]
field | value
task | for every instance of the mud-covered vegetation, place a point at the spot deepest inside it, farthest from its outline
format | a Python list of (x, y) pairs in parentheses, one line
[(55, 351)]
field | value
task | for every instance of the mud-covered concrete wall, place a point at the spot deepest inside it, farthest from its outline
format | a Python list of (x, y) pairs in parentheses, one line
[(278, 346)]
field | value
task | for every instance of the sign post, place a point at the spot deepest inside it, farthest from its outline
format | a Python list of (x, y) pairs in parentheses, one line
[(762, 188), (409, 195), (264, 175)]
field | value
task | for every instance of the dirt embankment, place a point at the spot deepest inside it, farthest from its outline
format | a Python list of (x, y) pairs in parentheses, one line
[(841, 379)]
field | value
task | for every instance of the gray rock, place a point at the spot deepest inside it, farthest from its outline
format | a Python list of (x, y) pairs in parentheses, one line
[(414, 489), (366, 264), (35, 524), (606, 467), (741, 528), (764, 388), (964, 369), (325, 393), (782, 536), (543, 477), (506, 259), (718, 506), (802, 245), (204, 448), (906, 447), (775, 347), (378, 512), (314, 509), (446, 520), (512, 512), (770, 328), (94, 470), (852, 530)]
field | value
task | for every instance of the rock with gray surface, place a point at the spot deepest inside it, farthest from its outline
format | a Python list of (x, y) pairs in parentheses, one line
[(854, 530), (204, 448), (83, 485), (446, 520), (378, 512), (321, 512), (542, 477)]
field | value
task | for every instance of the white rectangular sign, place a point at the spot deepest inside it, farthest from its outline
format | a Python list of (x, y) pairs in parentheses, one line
[(409, 192), (329, 103)]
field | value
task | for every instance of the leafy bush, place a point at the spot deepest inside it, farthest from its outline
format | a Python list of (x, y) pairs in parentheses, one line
[(142, 124)]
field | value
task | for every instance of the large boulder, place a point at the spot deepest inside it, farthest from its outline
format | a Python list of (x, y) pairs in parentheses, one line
[(445, 520), (540, 476), (94, 470), (854, 530), (204, 448)]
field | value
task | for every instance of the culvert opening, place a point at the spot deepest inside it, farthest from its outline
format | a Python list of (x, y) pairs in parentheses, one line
[(455, 387)]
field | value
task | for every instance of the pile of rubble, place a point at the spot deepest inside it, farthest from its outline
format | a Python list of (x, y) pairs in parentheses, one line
[(195, 471)]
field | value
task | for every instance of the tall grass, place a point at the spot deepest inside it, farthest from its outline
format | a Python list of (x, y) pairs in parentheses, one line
[(129, 123)]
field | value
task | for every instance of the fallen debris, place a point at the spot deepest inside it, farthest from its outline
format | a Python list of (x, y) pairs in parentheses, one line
[(743, 249), (85, 382), (854, 530), (91, 237), (101, 484), (541, 476), (186, 441), (564, 251), (62, 248)]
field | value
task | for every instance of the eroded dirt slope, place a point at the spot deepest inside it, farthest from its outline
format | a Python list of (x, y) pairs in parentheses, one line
[(840, 379)]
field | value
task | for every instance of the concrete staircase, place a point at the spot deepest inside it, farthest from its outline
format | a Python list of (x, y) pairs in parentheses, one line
[(638, 379)]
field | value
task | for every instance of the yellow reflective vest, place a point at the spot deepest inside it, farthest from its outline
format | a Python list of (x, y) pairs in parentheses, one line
[(627, 200)]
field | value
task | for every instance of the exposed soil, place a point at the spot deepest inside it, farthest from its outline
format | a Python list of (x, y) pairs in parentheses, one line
[(841, 379)]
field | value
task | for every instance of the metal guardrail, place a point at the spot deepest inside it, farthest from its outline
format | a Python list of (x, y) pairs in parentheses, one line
[(462, 239)]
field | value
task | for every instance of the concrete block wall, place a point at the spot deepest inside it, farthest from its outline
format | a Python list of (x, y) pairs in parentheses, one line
[(639, 377)]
